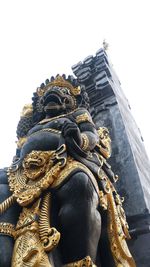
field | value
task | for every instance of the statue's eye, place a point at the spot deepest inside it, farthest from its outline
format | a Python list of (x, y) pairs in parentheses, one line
[(65, 91)]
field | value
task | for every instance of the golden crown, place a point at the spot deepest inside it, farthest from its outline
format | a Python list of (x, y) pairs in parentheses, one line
[(60, 82)]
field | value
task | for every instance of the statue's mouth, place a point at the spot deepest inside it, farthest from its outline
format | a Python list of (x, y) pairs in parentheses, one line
[(53, 101)]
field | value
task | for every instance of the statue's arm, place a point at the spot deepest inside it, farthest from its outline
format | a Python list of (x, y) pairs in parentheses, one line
[(82, 129), (89, 136)]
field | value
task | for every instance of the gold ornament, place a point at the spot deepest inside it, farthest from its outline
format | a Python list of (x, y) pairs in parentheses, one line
[(6, 204), (57, 117), (83, 118), (7, 229), (85, 262), (104, 142), (28, 249), (117, 235), (49, 236), (85, 141), (36, 175), (103, 200), (60, 82)]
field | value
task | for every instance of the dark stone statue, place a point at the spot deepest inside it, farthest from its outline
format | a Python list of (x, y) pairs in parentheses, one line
[(58, 202)]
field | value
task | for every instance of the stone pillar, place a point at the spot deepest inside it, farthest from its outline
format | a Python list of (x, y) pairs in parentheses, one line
[(110, 108)]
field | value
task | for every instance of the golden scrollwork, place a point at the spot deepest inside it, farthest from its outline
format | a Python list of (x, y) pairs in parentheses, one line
[(103, 200), (117, 235), (83, 118), (34, 236), (7, 229), (104, 142), (35, 175), (37, 163), (107, 187), (117, 225), (49, 235), (6, 204), (28, 251), (25, 192), (85, 262), (38, 173), (28, 219)]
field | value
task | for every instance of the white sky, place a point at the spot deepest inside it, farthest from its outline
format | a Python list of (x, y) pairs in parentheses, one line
[(40, 38)]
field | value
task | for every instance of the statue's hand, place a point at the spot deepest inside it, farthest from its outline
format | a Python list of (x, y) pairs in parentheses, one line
[(71, 130)]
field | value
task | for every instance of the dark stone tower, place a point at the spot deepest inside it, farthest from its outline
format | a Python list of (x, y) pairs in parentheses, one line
[(110, 108)]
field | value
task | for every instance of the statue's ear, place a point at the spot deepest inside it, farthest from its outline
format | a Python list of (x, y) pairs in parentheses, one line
[(41, 104), (79, 100), (38, 111)]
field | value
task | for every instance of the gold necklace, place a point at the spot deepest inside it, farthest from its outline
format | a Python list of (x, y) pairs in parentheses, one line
[(57, 117)]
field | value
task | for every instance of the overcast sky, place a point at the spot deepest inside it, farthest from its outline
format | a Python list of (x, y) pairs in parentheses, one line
[(40, 38)]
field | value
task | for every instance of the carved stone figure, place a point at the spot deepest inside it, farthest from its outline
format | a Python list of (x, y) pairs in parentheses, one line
[(63, 207)]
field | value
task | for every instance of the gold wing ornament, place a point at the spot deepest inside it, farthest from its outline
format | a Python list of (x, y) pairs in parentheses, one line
[(110, 200)]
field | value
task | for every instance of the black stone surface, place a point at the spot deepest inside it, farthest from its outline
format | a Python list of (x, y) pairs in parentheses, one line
[(110, 108)]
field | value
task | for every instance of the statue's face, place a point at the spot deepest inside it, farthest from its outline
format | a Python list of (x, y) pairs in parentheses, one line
[(57, 100)]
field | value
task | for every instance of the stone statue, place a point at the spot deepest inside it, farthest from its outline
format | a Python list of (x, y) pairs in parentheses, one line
[(60, 207)]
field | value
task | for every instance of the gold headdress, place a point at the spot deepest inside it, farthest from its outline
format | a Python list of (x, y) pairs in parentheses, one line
[(60, 82)]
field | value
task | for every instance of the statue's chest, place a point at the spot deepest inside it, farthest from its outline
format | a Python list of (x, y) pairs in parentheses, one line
[(56, 124), (44, 137)]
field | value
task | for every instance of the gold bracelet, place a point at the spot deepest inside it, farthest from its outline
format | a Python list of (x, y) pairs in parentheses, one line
[(85, 141), (83, 118), (7, 229)]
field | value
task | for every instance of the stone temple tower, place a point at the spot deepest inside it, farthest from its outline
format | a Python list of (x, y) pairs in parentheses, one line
[(110, 108)]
